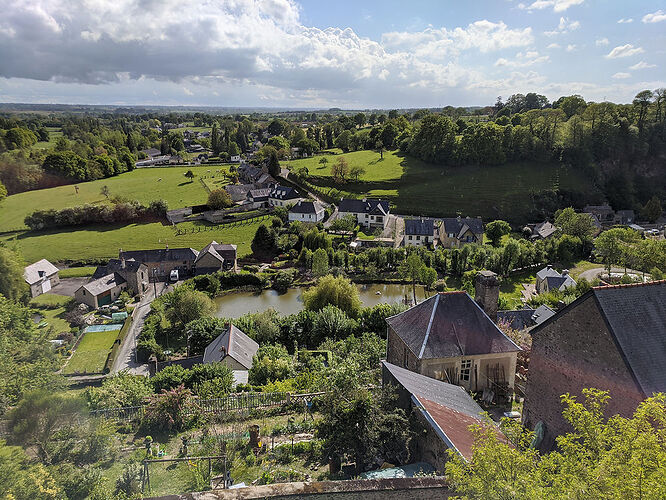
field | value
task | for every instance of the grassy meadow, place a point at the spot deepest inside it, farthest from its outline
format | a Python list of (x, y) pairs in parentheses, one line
[(52, 309), (104, 241), (54, 134), (419, 188), (142, 184)]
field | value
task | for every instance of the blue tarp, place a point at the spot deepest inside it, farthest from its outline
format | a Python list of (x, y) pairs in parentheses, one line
[(102, 328), (409, 470)]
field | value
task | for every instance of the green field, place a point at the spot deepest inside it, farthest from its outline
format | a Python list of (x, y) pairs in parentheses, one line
[(418, 188), (77, 272), (141, 184), (54, 133), (90, 356), (103, 242)]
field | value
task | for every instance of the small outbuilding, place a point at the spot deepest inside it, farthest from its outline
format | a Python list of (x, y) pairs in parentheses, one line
[(235, 349), (41, 277)]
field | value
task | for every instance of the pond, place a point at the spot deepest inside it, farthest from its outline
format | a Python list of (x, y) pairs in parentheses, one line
[(234, 305)]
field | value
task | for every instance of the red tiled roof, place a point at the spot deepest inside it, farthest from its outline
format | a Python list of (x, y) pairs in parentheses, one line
[(456, 426)]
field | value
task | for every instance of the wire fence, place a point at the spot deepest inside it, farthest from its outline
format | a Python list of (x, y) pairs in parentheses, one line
[(233, 402)]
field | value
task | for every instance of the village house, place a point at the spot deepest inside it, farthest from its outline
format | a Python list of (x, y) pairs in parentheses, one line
[(282, 196), (151, 152), (540, 231), (307, 211), (548, 280), (369, 212), (604, 213), (526, 318), (41, 277), (455, 232), (419, 232), (239, 192), (258, 198), (102, 291), (235, 349), (161, 262), (445, 412), (451, 338), (612, 338), (250, 174), (216, 257), (133, 272)]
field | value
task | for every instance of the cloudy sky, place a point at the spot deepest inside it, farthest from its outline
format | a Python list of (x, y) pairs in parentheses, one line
[(317, 53)]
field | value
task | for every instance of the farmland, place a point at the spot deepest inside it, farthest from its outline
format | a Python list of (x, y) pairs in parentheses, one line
[(93, 243), (419, 188), (144, 185)]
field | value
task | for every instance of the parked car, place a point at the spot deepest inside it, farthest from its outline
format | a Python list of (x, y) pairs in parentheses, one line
[(173, 277)]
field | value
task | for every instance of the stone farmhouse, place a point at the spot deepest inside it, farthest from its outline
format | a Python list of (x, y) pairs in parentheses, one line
[(282, 196), (540, 231), (216, 257), (455, 232), (419, 232), (307, 211), (108, 282), (370, 213), (41, 277), (161, 262), (612, 338), (451, 338)]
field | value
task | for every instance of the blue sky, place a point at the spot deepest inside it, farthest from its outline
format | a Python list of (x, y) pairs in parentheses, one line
[(311, 53)]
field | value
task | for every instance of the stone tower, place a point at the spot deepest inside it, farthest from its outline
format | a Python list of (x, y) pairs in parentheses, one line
[(486, 287)]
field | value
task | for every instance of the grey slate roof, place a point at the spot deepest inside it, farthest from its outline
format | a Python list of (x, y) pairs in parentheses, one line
[(210, 249), (234, 343), (370, 206), (162, 255), (449, 324), (261, 193), (437, 391), (34, 273), (458, 225), (518, 319), (238, 192), (283, 193), (104, 283), (560, 282), (544, 229), (307, 207), (116, 265), (542, 313), (545, 272), (421, 227), (636, 317)]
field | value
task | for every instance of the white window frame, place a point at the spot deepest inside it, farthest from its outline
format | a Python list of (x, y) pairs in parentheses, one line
[(466, 369)]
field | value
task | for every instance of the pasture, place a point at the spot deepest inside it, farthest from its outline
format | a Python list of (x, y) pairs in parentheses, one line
[(419, 188), (90, 356), (94, 243), (143, 184)]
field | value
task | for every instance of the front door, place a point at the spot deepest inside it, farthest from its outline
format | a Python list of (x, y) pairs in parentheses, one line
[(46, 286)]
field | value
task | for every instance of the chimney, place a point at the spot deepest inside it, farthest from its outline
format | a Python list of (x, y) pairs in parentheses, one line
[(565, 272), (486, 287)]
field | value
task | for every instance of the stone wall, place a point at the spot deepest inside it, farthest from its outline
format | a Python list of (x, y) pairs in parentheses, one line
[(573, 352), (426, 488), (395, 353)]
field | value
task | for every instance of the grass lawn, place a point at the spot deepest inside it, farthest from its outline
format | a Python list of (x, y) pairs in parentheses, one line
[(583, 265), (511, 286), (419, 188), (51, 308), (91, 353), (141, 184), (77, 272), (103, 242)]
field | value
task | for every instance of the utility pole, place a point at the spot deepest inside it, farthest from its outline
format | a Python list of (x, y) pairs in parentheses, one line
[(155, 282)]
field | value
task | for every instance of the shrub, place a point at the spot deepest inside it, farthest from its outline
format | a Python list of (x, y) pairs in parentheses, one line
[(166, 411), (283, 280)]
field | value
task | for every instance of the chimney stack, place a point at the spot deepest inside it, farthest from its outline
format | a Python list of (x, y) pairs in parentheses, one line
[(486, 287)]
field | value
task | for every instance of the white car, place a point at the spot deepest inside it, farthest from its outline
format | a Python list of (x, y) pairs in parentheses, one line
[(173, 277)]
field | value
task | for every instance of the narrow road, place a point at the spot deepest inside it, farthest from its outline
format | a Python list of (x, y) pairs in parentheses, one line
[(126, 359), (591, 274)]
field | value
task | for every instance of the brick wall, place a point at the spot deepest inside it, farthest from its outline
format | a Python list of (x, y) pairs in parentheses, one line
[(574, 352)]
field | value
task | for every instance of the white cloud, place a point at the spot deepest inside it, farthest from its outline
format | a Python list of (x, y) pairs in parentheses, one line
[(522, 60), (187, 91), (655, 17), (557, 5), (571, 47), (601, 42), (625, 20), (621, 76), (642, 65), (565, 26), (554, 46), (624, 51)]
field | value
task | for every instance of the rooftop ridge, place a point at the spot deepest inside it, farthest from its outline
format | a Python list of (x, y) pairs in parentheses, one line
[(630, 285)]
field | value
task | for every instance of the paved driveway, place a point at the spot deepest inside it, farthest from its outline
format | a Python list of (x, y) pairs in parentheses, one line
[(68, 286)]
